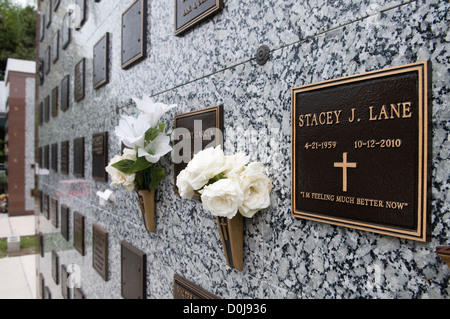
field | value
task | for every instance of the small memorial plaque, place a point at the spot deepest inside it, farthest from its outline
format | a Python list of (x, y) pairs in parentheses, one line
[(41, 286), (133, 272), (47, 206), (185, 289), (101, 62), (66, 33), (55, 46), (78, 157), (41, 113), (99, 156), (42, 28), (134, 33), (65, 101), (47, 156), (47, 108), (65, 222), (55, 157), (78, 232), (64, 280), (81, 4), (189, 13), (48, 14), (65, 157), (48, 59), (55, 267), (100, 251), (42, 244), (55, 99), (54, 212), (80, 80), (360, 151), (203, 128)]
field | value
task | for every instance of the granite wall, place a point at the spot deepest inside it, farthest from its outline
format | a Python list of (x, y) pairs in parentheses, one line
[(212, 64)]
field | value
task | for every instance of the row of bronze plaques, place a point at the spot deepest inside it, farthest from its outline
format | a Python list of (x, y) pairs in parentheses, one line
[(133, 261), (99, 156), (134, 34)]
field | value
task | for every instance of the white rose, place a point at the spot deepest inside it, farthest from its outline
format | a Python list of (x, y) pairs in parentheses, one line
[(205, 165), (222, 198), (256, 187), (184, 187), (117, 177), (235, 164)]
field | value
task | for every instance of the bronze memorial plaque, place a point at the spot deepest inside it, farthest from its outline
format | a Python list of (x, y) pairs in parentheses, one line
[(189, 13), (101, 62), (185, 289), (100, 251), (66, 31), (55, 267), (134, 33), (65, 157), (78, 157), (64, 281), (47, 108), (65, 90), (55, 100), (203, 127), (65, 222), (78, 232), (79, 85), (55, 157), (54, 212), (99, 156), (133, 272), (360, 151)]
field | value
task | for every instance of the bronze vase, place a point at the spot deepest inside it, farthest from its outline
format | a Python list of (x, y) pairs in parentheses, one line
[(232, 235), (148, 208)]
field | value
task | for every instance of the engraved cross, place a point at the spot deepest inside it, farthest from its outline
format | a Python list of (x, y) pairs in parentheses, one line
[(344, 165)]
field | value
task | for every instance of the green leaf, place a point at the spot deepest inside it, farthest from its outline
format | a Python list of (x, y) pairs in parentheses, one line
[(158, 174), (123, 166), (140, 165), (153, 132)]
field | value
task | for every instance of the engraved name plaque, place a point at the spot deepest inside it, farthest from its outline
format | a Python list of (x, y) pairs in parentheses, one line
[(189, 13), (101, 62), (100, 251), (66, 33), (65, 222), (134, 33), (203, 128), (80, 80), (78, 232), (360, 151), (55, 100), (133, 272), (55, 267), (54, 212), (99, 156), (65, 157), (78, 157), (64, 278), (55, 157), (65, 100), (185, 289)]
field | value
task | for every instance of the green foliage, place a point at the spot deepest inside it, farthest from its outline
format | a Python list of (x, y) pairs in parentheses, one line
[(17, 33)]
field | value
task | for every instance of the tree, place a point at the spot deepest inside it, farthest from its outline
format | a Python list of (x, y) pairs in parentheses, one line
[(17, 33)]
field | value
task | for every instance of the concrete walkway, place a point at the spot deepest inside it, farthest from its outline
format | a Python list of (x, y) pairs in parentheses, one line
[(17, 274)]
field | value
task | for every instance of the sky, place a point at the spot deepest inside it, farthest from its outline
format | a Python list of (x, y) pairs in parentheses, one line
[(25, 2)]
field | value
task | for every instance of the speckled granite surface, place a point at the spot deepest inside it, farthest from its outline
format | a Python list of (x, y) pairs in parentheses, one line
[(213, 64)]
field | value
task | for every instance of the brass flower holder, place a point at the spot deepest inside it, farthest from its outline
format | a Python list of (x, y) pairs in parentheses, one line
[(148, 208), (444, 253), (232, 235)]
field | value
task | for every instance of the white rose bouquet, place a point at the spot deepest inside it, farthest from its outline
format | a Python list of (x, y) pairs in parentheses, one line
[(146, 143), (226, 184)]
